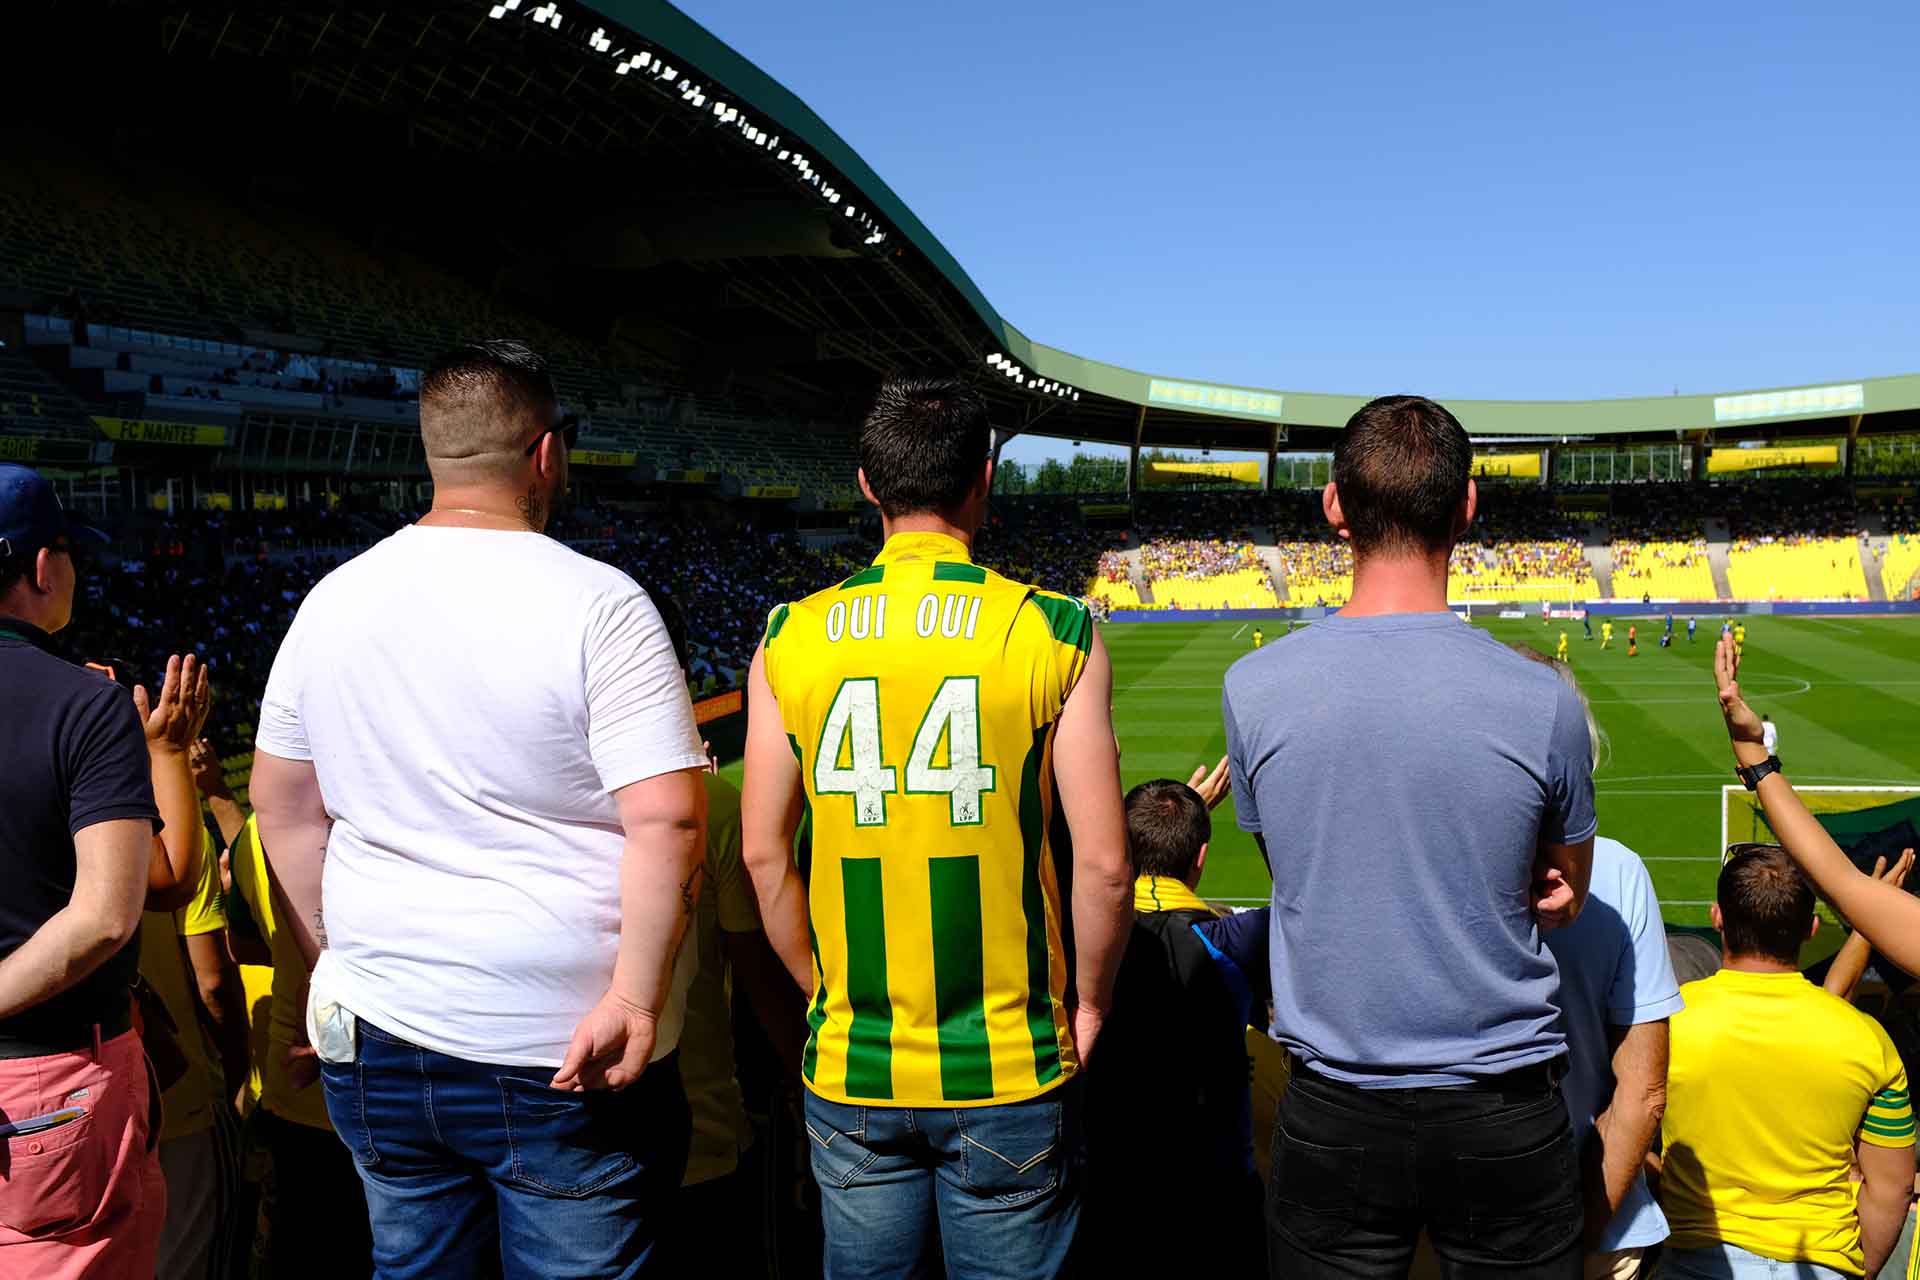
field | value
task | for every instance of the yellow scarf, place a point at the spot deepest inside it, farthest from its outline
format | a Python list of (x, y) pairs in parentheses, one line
[(1164, 893)]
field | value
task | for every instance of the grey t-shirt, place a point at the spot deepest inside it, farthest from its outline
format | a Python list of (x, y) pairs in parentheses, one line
[(1403, 771)]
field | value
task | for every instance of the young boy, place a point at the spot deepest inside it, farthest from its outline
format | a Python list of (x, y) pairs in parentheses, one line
[(1174, 1048)]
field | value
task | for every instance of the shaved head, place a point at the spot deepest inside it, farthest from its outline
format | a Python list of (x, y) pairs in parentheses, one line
[(479, 406)]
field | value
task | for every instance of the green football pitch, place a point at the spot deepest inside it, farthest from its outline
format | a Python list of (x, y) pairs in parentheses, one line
[(1845, 693)]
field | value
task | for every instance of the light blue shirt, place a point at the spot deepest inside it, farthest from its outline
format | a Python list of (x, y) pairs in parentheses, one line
[(1614, 972), (1403, 771)]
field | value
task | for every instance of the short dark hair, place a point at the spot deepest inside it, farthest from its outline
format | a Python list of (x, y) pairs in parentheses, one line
[(1402, 468), (923, 444), (1167, 826), (1766, 904), (486, 389)]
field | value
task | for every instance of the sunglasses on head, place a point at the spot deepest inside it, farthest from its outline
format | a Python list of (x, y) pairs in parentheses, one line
[(568, 429)]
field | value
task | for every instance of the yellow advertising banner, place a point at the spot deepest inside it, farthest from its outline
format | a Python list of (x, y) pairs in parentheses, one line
[(1720, 461), (140, 431), (1515, 465), (601, 458), (773, 491), (1187, 472)]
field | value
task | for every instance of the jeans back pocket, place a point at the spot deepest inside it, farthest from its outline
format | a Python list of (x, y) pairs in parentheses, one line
[(566, 1144), (1012, 1153)]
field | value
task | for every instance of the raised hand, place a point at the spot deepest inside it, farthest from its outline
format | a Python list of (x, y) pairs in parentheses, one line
[(1214, 786), (1897, 877), (209, 775), (1742, 724), (174, 719)]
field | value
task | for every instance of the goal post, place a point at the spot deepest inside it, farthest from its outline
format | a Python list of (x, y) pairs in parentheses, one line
[(1849, 813)]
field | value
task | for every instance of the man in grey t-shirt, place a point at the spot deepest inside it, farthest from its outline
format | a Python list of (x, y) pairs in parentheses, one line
[(1424, 800)]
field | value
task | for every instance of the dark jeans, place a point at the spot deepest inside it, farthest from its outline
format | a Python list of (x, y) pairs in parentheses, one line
[(478, 1170), (1488, 1171)]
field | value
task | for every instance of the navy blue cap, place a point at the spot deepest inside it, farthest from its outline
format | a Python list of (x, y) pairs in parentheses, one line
[(31, 516)]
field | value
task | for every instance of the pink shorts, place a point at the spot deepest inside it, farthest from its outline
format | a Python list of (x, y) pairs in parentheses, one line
[(86, 1198)]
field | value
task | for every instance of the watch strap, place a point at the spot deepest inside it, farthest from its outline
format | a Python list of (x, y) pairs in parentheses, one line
[(1750, 777)]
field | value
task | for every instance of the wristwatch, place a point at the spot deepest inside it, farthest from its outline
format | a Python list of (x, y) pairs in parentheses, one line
[(1750, 778)]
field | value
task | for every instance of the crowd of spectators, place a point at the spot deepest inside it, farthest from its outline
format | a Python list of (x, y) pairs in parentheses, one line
[(1196, 558)]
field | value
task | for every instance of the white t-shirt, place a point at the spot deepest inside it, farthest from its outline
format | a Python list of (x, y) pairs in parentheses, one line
[(1769, 736), (470, 699)]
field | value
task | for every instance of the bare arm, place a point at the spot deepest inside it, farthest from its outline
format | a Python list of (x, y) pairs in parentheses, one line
[(223, 1003), (1086, 767), (109, 886), (293, 823), (1889, 917), (770, 805), (761, 976), (209, 775), (1886, 1189), (1622, 1135), (171, 721), (665, 820)]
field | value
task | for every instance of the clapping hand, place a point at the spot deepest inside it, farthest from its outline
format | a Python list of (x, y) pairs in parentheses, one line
[(174, 719), (1213, 787)]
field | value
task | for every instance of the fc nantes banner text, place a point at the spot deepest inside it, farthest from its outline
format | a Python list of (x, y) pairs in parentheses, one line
[(140, 431), (1804, 455), (1192, 472)]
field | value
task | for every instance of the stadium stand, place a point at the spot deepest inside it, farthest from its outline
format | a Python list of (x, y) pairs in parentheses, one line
[(1191, 573), (1794, 540), (1659, 542)]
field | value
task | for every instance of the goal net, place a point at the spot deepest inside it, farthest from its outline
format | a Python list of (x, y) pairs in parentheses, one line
[(1852, 815)]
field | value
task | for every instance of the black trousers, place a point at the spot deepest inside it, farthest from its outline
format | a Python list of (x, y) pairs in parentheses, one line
[(1488, 1171)]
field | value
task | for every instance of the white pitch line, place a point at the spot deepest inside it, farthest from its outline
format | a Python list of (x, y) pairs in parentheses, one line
[(1242, 631)]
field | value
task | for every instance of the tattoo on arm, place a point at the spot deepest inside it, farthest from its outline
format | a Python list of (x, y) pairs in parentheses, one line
[(690, 890), (320, 929)]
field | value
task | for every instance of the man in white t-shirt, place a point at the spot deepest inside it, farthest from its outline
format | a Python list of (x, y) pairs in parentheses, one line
[(479, 784)]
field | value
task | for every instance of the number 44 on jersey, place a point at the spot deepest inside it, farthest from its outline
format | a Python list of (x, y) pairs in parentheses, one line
[(852, 730)]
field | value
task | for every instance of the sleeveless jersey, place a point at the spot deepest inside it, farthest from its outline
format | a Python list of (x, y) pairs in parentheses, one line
[(920, 698)]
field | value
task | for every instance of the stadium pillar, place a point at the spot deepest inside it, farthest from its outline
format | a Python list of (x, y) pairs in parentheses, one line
[(1273, 453), (1133, 459), (1853, 439)]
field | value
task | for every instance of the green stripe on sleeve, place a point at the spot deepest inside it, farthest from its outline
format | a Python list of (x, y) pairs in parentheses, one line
[(866, 577), (776, 620), (1046, 1044), (1889, 1097), (1067, 619), (1888, 1128), (959, 979), (954, 571), (870, 1037)]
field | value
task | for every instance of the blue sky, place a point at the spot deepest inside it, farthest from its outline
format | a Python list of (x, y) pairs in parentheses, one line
[(1494, 200)]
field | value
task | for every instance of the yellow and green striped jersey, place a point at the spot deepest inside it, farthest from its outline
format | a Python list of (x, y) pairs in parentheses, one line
[(920, 697)]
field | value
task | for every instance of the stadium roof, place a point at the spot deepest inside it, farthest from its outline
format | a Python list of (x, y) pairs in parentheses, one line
[(645, 186)]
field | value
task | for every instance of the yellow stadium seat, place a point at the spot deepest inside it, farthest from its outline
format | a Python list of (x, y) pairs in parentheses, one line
[(1806, 569)]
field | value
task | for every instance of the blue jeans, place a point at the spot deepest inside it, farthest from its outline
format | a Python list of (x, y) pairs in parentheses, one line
[(1001, 1184), (1731, 1262), (477, 1170)]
